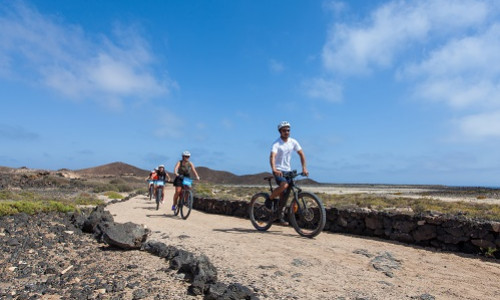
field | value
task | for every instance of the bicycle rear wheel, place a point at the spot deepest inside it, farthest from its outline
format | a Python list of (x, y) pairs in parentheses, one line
[(159, 193), (260, 215), (307, 215), (187, 204), (151, 192)]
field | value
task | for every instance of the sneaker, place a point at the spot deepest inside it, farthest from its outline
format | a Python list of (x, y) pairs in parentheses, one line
[(281, 219), (173, 207)]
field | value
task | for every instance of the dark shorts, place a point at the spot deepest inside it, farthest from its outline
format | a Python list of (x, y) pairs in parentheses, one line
[(280, 179), (178, 180)]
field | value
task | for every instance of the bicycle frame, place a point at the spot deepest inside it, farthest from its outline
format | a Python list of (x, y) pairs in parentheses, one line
[(292, 187), (306, 212)]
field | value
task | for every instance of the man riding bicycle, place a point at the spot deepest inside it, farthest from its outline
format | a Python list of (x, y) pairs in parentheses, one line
[(280, 158), (182, 169), (162, 176)]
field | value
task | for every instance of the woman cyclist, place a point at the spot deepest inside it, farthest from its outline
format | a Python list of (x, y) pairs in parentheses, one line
[(182, 169), (163, 176)]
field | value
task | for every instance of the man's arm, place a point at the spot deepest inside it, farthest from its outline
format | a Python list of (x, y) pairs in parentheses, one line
[(272, 161), (303, 162)]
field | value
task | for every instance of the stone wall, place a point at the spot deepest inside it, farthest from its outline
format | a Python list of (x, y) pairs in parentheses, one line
[(450, 233)]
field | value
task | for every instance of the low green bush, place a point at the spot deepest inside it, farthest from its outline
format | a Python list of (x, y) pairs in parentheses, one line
[(33, 207), (29, 202), (87, 199), (113, 195), (124, 188)]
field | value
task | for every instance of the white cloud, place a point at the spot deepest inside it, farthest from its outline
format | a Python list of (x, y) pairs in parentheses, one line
[(66, 59), (394, 27), (481, 126), (463, 72), (276, 66), (447, 51), (321, 88)]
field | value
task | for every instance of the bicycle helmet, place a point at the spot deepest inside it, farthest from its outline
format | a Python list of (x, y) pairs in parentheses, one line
[(186, 153), (161, 166), (283, 124)]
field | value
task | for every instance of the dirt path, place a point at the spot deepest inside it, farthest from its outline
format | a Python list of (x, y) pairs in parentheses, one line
[(279, 264)]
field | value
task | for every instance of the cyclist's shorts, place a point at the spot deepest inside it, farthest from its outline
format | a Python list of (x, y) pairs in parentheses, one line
[(280, 179), (178, 181)]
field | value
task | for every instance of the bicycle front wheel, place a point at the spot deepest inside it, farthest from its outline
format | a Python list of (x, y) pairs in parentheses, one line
[(260, 215), (307, 215), (187, 204), (178, 206)]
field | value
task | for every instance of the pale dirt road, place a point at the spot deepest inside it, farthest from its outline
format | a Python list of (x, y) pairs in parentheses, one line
[(279, 264)]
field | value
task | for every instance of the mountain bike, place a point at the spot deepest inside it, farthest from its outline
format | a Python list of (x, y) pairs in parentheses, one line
[(306, 212), (160, 184), (151, 189), (185, 203)]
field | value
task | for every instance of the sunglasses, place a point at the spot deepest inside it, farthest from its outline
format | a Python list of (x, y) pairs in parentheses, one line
[(285, 130)]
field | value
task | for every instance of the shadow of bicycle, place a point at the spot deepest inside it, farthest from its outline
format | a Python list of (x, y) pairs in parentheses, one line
[(247, 230), (146, 207), (167, 216)]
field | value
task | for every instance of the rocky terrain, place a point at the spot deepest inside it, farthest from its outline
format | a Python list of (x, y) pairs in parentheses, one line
[(47, 256), (64, 256)]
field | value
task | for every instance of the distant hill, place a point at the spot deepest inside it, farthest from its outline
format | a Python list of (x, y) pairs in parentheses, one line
[(5, 169), (113, 169), (123, 169), (224, 177)]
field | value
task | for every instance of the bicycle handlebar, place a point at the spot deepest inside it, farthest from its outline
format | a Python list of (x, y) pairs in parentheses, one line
[(293, 174)]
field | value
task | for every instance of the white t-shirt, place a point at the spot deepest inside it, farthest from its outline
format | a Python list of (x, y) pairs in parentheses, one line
[(284, 153)]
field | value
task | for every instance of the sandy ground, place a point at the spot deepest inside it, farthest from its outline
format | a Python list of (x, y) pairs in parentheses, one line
[(279, 264)]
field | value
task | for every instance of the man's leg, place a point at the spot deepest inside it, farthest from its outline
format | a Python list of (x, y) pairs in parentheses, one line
[(279, 190)]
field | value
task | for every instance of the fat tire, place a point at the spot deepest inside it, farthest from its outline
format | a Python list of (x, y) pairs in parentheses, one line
[(320, 219), (187, 204), (260, 216)]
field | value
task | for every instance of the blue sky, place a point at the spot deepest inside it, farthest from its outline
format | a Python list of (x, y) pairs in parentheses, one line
[(376, 91)]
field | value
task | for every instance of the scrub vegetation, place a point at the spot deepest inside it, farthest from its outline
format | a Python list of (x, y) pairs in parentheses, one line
[(379, 202)]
